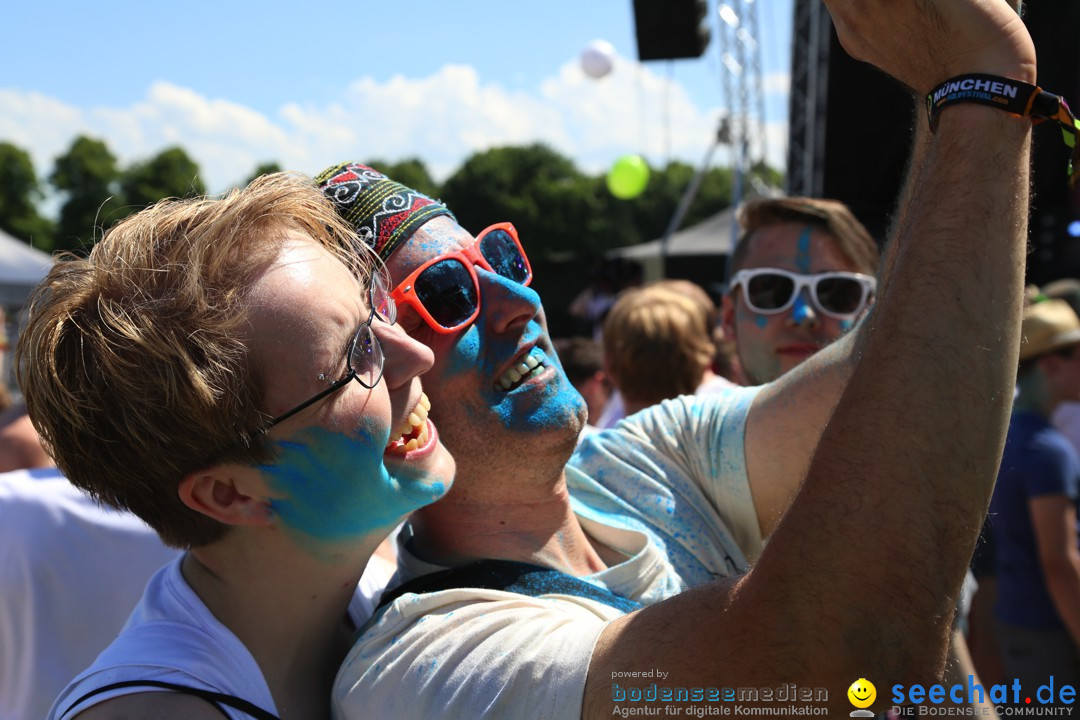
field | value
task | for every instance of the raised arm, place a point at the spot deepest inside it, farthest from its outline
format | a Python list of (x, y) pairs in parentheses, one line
[(862, 574), (785, 424)]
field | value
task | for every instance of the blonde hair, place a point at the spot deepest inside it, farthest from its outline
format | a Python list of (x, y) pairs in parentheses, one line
[(656, 344), (135, 363)]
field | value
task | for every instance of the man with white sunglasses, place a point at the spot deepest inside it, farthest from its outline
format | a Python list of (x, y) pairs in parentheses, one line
[(801, 275)]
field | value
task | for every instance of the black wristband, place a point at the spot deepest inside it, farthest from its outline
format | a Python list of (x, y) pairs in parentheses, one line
[(1002, 93), (1012, 96)]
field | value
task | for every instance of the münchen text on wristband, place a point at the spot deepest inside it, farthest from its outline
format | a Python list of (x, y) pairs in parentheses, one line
[(1012, 96)]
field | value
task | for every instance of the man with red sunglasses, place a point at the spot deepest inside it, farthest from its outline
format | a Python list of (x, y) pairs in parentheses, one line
[(669, 509)]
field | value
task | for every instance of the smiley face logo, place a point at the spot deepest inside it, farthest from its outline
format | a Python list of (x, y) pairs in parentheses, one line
[(862, 693)]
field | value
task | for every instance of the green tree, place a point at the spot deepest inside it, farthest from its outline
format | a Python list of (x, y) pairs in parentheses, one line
[(170, 173), (411, 172), (766, 175), (87, 175), (19, 193), (546, 197), (265, 168), (646, 217)]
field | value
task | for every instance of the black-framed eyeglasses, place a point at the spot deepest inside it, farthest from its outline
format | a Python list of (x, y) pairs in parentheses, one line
[(364, 355)]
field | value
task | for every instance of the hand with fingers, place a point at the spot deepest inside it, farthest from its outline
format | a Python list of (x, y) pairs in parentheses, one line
[(921, 43)]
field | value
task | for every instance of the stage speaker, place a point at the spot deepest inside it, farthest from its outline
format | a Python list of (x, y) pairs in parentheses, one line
[(869, 124), (671, 29)]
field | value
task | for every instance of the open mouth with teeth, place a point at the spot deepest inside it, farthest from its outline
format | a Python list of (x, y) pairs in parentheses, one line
[(415, 432), (529, 367)]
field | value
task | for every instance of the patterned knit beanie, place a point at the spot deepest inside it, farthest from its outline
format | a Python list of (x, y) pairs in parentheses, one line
[(383, 213)]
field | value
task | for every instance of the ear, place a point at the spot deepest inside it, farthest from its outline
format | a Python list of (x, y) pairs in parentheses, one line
[(222, 495), (727, 316)]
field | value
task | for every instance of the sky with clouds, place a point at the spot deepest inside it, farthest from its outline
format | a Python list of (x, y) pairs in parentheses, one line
[(239, 83)]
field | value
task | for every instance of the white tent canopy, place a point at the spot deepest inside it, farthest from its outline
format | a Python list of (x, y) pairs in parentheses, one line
[(711, 236), (715, 235), (21, 269)]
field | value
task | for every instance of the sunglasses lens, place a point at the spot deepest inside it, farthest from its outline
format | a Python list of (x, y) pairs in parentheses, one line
[(502, 253), (839, 295), (446, 290), (769, 292)]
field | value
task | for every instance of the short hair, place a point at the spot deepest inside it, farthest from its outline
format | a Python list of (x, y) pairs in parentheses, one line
[(135, 363), (852, 238), (581, 358), (656, 345), (696, 293)]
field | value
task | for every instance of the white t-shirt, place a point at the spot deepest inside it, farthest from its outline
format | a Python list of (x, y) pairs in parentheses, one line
[(70, 573), (615, 408), (476, 653), (173, 637)]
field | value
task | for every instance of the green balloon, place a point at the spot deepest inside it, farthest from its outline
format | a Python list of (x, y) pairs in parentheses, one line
[(628, 177)]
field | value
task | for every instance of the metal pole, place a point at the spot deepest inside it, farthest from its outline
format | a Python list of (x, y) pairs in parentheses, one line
[(736, 201), (689, 195)]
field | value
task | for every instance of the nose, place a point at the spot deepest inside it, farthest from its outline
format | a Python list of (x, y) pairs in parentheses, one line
[(505, 304), (802, 313), (404, 358)]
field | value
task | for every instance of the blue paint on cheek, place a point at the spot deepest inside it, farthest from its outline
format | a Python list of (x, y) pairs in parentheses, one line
[(800, 311), (760, 320), (560, 401), (336, 487), (846, 325), (802, 259), (465, 354)]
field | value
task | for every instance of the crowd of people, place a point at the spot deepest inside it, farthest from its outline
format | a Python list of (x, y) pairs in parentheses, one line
[(788, 490)]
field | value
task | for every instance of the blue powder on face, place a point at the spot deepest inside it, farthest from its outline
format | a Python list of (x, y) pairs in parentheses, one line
[(552, 407), (337, 487), (478, 347), (760, 320), (846, 325), (800, 311), (802, 258), (466, 354)]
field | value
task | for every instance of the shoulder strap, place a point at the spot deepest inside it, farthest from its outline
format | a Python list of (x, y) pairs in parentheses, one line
[(214, 698), (510, 576)]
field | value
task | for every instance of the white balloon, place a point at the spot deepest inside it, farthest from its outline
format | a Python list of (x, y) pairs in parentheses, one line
[(598, 58)]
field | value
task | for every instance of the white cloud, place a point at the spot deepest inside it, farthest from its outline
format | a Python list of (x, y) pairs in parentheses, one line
[(778, 83), (441, 119)]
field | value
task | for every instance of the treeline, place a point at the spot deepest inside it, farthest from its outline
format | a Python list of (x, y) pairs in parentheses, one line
[(560, 209)]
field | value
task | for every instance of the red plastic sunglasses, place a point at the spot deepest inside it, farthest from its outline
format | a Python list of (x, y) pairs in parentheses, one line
[(445, 291)]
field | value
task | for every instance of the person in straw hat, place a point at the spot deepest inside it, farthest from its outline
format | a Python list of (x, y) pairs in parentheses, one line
[(1033, 510)]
